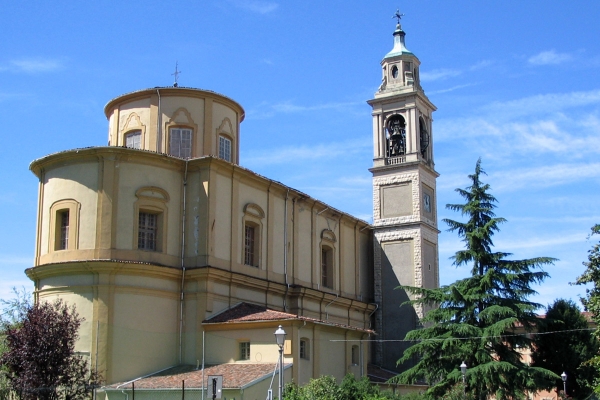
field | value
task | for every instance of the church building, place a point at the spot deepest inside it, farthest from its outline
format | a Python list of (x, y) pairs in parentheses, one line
[(178, 257)]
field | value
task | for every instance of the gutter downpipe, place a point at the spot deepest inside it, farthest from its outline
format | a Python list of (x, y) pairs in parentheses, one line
[(285, 250), (203, 332), (182, 265), (158, 126), (326, 313), (370, 315)]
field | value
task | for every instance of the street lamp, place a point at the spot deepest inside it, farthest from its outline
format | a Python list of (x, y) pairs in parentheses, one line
[(280, 338), (463, 370), (563, 376)]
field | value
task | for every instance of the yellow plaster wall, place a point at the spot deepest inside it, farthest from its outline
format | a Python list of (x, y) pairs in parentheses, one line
[(305, 249), (222, 217), (223, 346), (332, 355), (195, 107), (145, 333), (134, 176), (78, 182), (348, 267), (197, 215)]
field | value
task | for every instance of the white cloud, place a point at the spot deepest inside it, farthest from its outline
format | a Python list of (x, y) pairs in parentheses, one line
[(439, 74), (301, 154), (549, 57), (444, 73), (453, 88), (265, 110), (260, 7), (36, 65), (542, 104), (543, 177)]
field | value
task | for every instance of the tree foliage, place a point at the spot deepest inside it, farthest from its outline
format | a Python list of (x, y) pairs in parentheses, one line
[(591, 301), (566, 351), (476, 317), (326, 388), (40, 360)]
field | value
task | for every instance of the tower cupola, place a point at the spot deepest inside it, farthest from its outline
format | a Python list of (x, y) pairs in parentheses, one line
[(400, 67)]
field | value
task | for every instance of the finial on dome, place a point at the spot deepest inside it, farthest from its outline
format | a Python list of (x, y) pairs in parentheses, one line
[(399, 46), (176, 74), (398, 16)]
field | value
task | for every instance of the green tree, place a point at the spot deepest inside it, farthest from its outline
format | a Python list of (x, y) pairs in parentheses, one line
[(12, 312), (566, 351), (591, 301), (473, 319), (326, 388), (40, 358)]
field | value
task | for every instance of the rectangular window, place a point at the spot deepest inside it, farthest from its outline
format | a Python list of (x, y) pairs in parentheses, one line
[(355, 355), (180, 142), (244, 350), (304, 349), (63, 242), (147, 231), (224, 148), (249, 243), (133, 140), (327, 268)]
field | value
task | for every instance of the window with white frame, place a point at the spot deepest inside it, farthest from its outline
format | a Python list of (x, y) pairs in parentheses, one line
[(224, 148), (133, 140), (180, 142), (147, 231), (244, 350)]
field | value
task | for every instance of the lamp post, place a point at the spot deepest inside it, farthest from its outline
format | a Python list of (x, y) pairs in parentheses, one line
[(563, 376), (280, 338), (463, 370)]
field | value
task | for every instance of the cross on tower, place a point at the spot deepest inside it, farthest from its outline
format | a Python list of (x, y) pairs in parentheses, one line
[(176, 74), (398, 16)]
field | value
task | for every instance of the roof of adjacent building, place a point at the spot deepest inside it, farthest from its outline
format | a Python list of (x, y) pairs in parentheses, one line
[(246, 312), (235, 376)]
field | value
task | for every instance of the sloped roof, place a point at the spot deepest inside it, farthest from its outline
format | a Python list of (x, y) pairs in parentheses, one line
[(246, 312), (235, 376)]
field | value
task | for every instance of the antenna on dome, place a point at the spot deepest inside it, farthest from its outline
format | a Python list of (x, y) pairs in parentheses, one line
[(176, 73)]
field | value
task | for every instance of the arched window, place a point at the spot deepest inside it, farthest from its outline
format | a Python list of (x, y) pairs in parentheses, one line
[(327, 259), (252, 223), (396, 136), (424, 137)]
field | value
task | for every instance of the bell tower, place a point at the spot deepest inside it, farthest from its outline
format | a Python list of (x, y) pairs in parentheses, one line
[(404, 199)]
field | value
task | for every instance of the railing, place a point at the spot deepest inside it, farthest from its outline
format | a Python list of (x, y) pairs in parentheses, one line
[(395, 160)]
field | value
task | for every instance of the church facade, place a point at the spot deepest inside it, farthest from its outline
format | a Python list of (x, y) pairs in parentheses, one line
[(175, 254)]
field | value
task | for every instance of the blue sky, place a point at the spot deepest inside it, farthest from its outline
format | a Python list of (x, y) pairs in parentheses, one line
[(516, 83)]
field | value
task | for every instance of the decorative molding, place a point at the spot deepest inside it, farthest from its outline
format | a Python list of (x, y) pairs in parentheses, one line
[(153, 193)]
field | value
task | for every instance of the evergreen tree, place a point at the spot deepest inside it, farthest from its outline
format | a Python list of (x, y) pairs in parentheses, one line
[(568, 351), (475, 318), (591, 301)]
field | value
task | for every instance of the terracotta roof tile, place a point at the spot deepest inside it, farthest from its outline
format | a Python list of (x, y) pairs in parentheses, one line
[(246, 312), (235, 376)]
